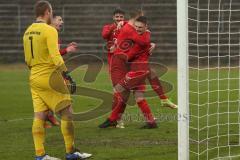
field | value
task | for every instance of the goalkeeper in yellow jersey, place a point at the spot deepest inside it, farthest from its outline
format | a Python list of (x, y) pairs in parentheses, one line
[(47, 74)]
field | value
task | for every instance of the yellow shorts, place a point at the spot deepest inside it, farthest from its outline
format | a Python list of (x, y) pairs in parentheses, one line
[(49, 93)]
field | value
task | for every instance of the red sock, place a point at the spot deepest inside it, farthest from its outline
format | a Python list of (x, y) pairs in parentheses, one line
[(115, 101), (157, 87), (122, 108), (118, 107), (146, 111)]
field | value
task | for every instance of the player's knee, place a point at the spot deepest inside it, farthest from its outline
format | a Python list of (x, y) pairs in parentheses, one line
[(41, 115), (66, 113), (118, 88), (139, 99), (138, 96)]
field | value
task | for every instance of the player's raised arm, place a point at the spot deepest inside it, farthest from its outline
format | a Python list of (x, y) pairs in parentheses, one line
[(108, 30)]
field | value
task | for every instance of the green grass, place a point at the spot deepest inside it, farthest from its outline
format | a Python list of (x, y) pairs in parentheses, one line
[(130, 143), (217, 121)]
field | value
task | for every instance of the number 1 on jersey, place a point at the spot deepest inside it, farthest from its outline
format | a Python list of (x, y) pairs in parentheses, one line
[(31, 39)]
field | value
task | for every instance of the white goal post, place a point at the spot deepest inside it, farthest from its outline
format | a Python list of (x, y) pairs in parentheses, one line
[(182, 64)]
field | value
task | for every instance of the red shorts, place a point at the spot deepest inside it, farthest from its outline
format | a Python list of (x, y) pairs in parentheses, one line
[(118, 68), (140, 66), (140, 87)]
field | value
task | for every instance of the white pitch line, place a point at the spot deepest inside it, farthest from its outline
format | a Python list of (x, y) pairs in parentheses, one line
[(14, 120)]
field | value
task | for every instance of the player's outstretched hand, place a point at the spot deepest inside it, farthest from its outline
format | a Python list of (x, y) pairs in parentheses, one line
[(153, 46)]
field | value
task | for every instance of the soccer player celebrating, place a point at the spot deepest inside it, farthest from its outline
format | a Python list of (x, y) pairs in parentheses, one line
[(129, 43), (140, 63), (57, 23), (45, 62), (110, 33)]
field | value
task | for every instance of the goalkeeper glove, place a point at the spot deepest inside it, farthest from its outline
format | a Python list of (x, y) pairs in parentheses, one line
[(66, 75)]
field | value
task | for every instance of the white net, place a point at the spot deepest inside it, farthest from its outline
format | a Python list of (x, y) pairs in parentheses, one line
[(214, 79)]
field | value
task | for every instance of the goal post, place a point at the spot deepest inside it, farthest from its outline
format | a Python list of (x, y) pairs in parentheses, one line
[(182, 65)]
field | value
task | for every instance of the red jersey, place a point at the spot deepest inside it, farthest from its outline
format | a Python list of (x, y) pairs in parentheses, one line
[(143, 57), (130, 43), (110, 34), (62, 51)]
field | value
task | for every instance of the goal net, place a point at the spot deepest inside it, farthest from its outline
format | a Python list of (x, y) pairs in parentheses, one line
[(213, 76)]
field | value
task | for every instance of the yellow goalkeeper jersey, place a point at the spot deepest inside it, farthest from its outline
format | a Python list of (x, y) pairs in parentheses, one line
[(41, 50)]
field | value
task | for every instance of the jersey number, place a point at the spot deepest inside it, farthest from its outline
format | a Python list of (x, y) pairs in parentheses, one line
[(31, 39)]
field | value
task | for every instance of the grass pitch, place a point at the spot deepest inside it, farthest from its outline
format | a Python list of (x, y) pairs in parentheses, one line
[(215, 114), (131, 143)]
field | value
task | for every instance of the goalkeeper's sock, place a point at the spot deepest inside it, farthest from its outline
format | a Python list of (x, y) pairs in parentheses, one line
[(157, 87), (67, 129), (118, 107), (38, 132), (146, 111)]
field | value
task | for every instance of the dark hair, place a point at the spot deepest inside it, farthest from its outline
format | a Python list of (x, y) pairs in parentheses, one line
[(41, 7), (135, 13), (142, 19), (118, 11), (56, 14)]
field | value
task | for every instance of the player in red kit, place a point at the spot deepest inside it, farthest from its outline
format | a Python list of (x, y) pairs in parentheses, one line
[(127, 48), (139, 63), (125, 41), (111, 31), (57, 22), (119, 69), (129, 44), (142, 61)]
